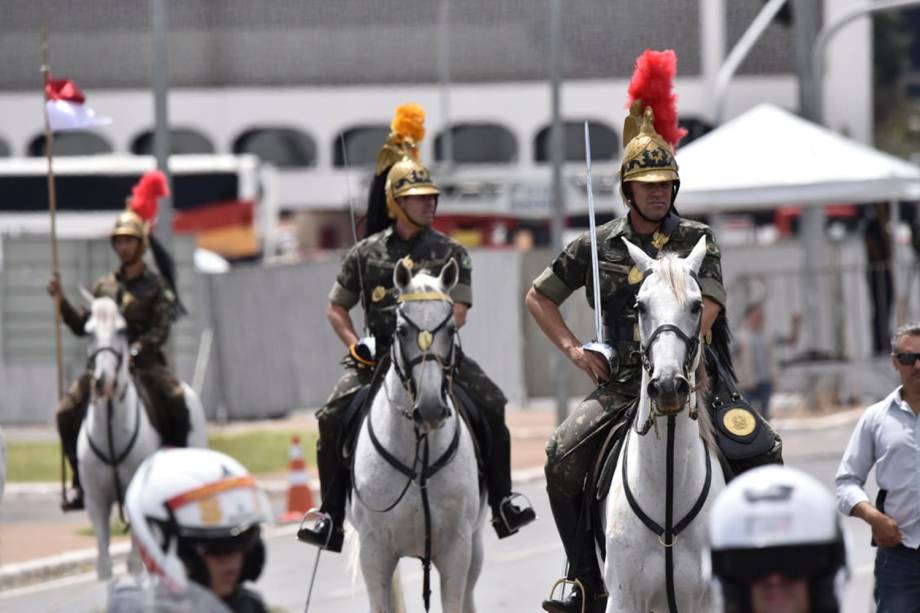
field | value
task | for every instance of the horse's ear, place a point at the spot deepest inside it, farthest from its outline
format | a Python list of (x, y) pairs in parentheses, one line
[(90, 326), (450, 274), (695, 259), (120, 322), (642, 260), (87, 295), (402, 276)]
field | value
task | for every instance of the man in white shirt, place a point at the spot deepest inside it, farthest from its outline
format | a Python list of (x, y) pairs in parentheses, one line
[(888, 436)]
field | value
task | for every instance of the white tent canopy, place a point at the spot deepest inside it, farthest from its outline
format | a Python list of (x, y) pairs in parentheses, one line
[(769, 157)]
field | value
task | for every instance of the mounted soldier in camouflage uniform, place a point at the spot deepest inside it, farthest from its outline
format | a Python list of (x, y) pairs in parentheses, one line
[(401, 208), (649, 183), (149, 304)]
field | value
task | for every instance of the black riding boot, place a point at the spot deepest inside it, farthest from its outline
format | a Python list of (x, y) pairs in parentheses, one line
[(579, 549), (509, 511), (329, 532), (180, 423), (73, 499)]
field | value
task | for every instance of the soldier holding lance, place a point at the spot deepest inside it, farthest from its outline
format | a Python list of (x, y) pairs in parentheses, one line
[(649, 183), (149, 305), (401, 207)]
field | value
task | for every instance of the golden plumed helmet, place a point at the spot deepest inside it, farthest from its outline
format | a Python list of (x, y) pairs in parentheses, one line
[(406, 133), (130, 223), (650, 132), (407, 177)]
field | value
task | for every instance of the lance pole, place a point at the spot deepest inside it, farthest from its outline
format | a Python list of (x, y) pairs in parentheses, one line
[(52, 211)]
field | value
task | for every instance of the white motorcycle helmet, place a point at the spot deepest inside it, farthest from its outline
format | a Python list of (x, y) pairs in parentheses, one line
[(777, 519), (184, 502)]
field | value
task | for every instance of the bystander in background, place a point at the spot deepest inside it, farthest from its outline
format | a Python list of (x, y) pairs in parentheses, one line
[(752, 355)]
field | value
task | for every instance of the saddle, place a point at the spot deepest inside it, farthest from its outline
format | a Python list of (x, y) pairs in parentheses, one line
[(360, 404)]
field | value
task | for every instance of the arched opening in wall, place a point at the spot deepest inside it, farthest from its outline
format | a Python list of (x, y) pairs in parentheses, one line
[(605, 142), (181, 140), (77, 142), (5, 150), (695, 128), (283, 147), (478, 143), (362, 143)]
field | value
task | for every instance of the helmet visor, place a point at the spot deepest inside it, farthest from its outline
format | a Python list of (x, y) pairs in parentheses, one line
[(747, 566), (221, 542)]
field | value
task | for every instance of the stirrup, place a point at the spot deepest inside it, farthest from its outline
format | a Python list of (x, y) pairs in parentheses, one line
[(575, 583), (502, 524), (320, 520)]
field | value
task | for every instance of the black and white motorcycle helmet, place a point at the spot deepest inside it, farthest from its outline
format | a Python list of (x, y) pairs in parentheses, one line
[(776, 519), (183, 502)]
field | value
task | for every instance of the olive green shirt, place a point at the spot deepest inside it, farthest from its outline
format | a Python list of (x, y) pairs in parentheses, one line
[(146, 303), (376, 257), (572, 268)]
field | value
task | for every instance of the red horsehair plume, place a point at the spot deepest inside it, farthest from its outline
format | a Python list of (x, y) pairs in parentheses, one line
[(652, 83), (146, 193)]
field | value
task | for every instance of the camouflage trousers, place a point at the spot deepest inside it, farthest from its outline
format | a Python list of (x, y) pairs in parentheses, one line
[(574, 445), (484, 393), (169, 413)]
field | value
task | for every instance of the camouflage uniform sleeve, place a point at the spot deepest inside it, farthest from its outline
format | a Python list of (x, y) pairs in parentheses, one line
[(74, 318), (463, 291), (711, 272), (346, 291), (161, 319), (567, 272)]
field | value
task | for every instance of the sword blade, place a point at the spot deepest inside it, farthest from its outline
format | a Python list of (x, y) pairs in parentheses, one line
[(595, 268)]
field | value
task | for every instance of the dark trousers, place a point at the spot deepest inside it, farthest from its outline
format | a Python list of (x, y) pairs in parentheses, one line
[(487, 397), (897, 580)]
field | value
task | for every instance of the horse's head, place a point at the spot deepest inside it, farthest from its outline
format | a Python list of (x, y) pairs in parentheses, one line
[(670, 307), (423, 348), (108, 347)]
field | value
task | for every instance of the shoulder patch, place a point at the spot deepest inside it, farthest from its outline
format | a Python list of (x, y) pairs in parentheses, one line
[(465, 260), (712, 248)]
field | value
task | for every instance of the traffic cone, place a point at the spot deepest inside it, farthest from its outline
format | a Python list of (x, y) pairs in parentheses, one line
[(299, 496)]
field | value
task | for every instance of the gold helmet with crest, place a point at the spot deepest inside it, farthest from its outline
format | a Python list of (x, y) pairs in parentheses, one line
[(141, 207), (650, 132), (407, 177), (406, 133)]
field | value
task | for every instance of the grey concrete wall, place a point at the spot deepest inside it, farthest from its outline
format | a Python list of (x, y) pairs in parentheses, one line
[(276, 351)]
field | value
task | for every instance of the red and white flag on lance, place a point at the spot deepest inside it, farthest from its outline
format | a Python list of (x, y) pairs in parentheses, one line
[(64, 104)]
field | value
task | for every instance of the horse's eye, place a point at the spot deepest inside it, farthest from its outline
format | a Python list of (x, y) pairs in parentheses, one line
[(451, 330), (640, 307), (695, 307)]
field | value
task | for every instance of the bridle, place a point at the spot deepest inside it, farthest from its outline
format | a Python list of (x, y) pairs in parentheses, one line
[(692, 344), (424, 339), (119, 358)]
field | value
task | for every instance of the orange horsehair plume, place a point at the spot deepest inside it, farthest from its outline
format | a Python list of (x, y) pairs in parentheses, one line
[(146, 193), (652, 85), (409, 122)]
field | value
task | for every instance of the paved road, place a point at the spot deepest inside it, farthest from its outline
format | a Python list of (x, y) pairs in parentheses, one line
[(517, 574)]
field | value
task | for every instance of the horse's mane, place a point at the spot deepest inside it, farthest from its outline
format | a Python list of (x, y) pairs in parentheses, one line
[(672, 272), (104, 311)]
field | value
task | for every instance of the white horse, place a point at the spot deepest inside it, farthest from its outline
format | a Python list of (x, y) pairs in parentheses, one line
[(415, 473), (654, 538), (117, 435)]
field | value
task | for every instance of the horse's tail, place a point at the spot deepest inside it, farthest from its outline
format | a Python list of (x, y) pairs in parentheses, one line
[(397, 603)]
